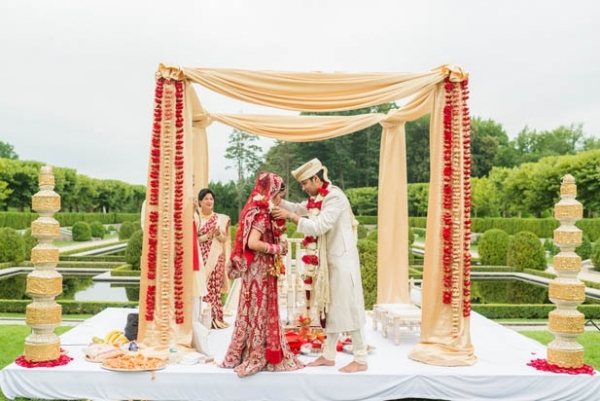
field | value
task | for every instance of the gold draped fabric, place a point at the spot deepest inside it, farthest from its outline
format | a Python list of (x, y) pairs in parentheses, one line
[(322, 92)]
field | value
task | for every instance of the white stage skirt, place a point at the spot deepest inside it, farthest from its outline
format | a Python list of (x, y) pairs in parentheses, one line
[(501, 373)]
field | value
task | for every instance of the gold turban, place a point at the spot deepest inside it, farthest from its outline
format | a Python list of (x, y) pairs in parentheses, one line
[(309, 169)]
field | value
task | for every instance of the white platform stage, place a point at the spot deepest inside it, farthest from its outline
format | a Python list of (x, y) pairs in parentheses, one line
[(500, 374)]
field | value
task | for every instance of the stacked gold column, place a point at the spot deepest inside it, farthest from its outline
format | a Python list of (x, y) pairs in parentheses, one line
[(566, 291), (44, 283)]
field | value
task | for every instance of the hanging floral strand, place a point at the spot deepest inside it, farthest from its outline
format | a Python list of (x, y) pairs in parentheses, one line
[(466, 122), (280, 236), (178, 205), (154, 174), (166, 220), (456, 256), (310, 243)]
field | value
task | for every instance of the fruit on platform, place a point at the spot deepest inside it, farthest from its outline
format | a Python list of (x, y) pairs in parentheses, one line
[(97, 340), (112, 336)]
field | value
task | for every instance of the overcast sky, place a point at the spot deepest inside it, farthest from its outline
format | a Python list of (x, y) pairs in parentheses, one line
[(78, 76)]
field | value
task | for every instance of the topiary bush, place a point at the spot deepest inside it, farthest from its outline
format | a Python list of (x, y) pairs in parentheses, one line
[(595, 258), (30, 243), (550, 247), (12, 246), (133, 252), (127, 229), (525, 251), (361, 231), (585, 249), (372, 235), (367, 251), (81, 231), (493, 247), (98, 230)]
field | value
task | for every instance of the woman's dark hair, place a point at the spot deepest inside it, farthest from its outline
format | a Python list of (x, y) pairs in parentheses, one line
[(205, 191), (282, 187)]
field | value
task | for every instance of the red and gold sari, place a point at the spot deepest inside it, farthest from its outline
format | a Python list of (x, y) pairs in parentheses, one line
[(257, 341)]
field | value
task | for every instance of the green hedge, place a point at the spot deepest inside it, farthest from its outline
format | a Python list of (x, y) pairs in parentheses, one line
[(68, 307), (99, 258), (91, 248), (543, 228), (367, 220), (124, 271), (23, 220), (537, 311)]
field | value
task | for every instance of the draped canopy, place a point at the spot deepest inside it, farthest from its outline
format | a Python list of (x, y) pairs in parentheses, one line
[(182, 133)]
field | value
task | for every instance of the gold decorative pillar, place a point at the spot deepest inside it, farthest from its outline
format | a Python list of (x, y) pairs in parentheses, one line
[(566, 291), (43, 315)]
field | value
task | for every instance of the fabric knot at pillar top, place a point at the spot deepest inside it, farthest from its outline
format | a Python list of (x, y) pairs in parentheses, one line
[(169, 72), (454, 72)]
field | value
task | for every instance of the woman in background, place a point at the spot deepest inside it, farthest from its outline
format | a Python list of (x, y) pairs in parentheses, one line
[(257, 341), (214, 247)]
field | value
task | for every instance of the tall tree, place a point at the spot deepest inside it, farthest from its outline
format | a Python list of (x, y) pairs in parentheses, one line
[(487, 136), (86, 194), (22, 179), (7, 151), (226, 199), (246, 156), (417, 150)]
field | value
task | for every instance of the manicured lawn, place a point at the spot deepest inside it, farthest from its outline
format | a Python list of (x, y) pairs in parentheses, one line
[(590, 341)]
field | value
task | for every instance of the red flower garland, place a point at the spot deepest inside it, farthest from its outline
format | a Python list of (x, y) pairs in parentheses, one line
[(456, 215), (311, 259), (154, 174), (279, 229), (466, 122), (178, 205)]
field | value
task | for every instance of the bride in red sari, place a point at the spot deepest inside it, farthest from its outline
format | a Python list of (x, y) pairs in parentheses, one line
[(257, 341)]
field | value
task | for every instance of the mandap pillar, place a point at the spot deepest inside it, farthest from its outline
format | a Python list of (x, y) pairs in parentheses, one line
[(566, 291), (44, 283)]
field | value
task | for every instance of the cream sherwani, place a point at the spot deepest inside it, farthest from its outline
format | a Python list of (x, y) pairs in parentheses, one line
[(346, 311)]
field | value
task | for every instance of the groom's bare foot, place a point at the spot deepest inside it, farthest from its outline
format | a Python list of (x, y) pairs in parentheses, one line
[(320, 361), (353, 367)]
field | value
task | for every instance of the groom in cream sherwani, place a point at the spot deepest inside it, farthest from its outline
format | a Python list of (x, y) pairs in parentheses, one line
[(342, 299)]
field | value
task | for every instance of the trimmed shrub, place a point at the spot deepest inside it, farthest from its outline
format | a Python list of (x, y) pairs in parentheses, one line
[(493, 247), (361, 231), (127, 229), (550, 247), (81, 231), (12, 246), (525, 251), (367, 251), (98, 230), (585, 249), (30, 243), (596, 255), (133, 253), (372, 235)]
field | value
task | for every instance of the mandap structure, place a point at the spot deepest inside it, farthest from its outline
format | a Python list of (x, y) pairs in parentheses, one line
[(178, 168)]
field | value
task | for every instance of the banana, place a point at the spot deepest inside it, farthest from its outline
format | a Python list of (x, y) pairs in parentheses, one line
[(111, 335), (97, 340), (121, 339), (114, 337)]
